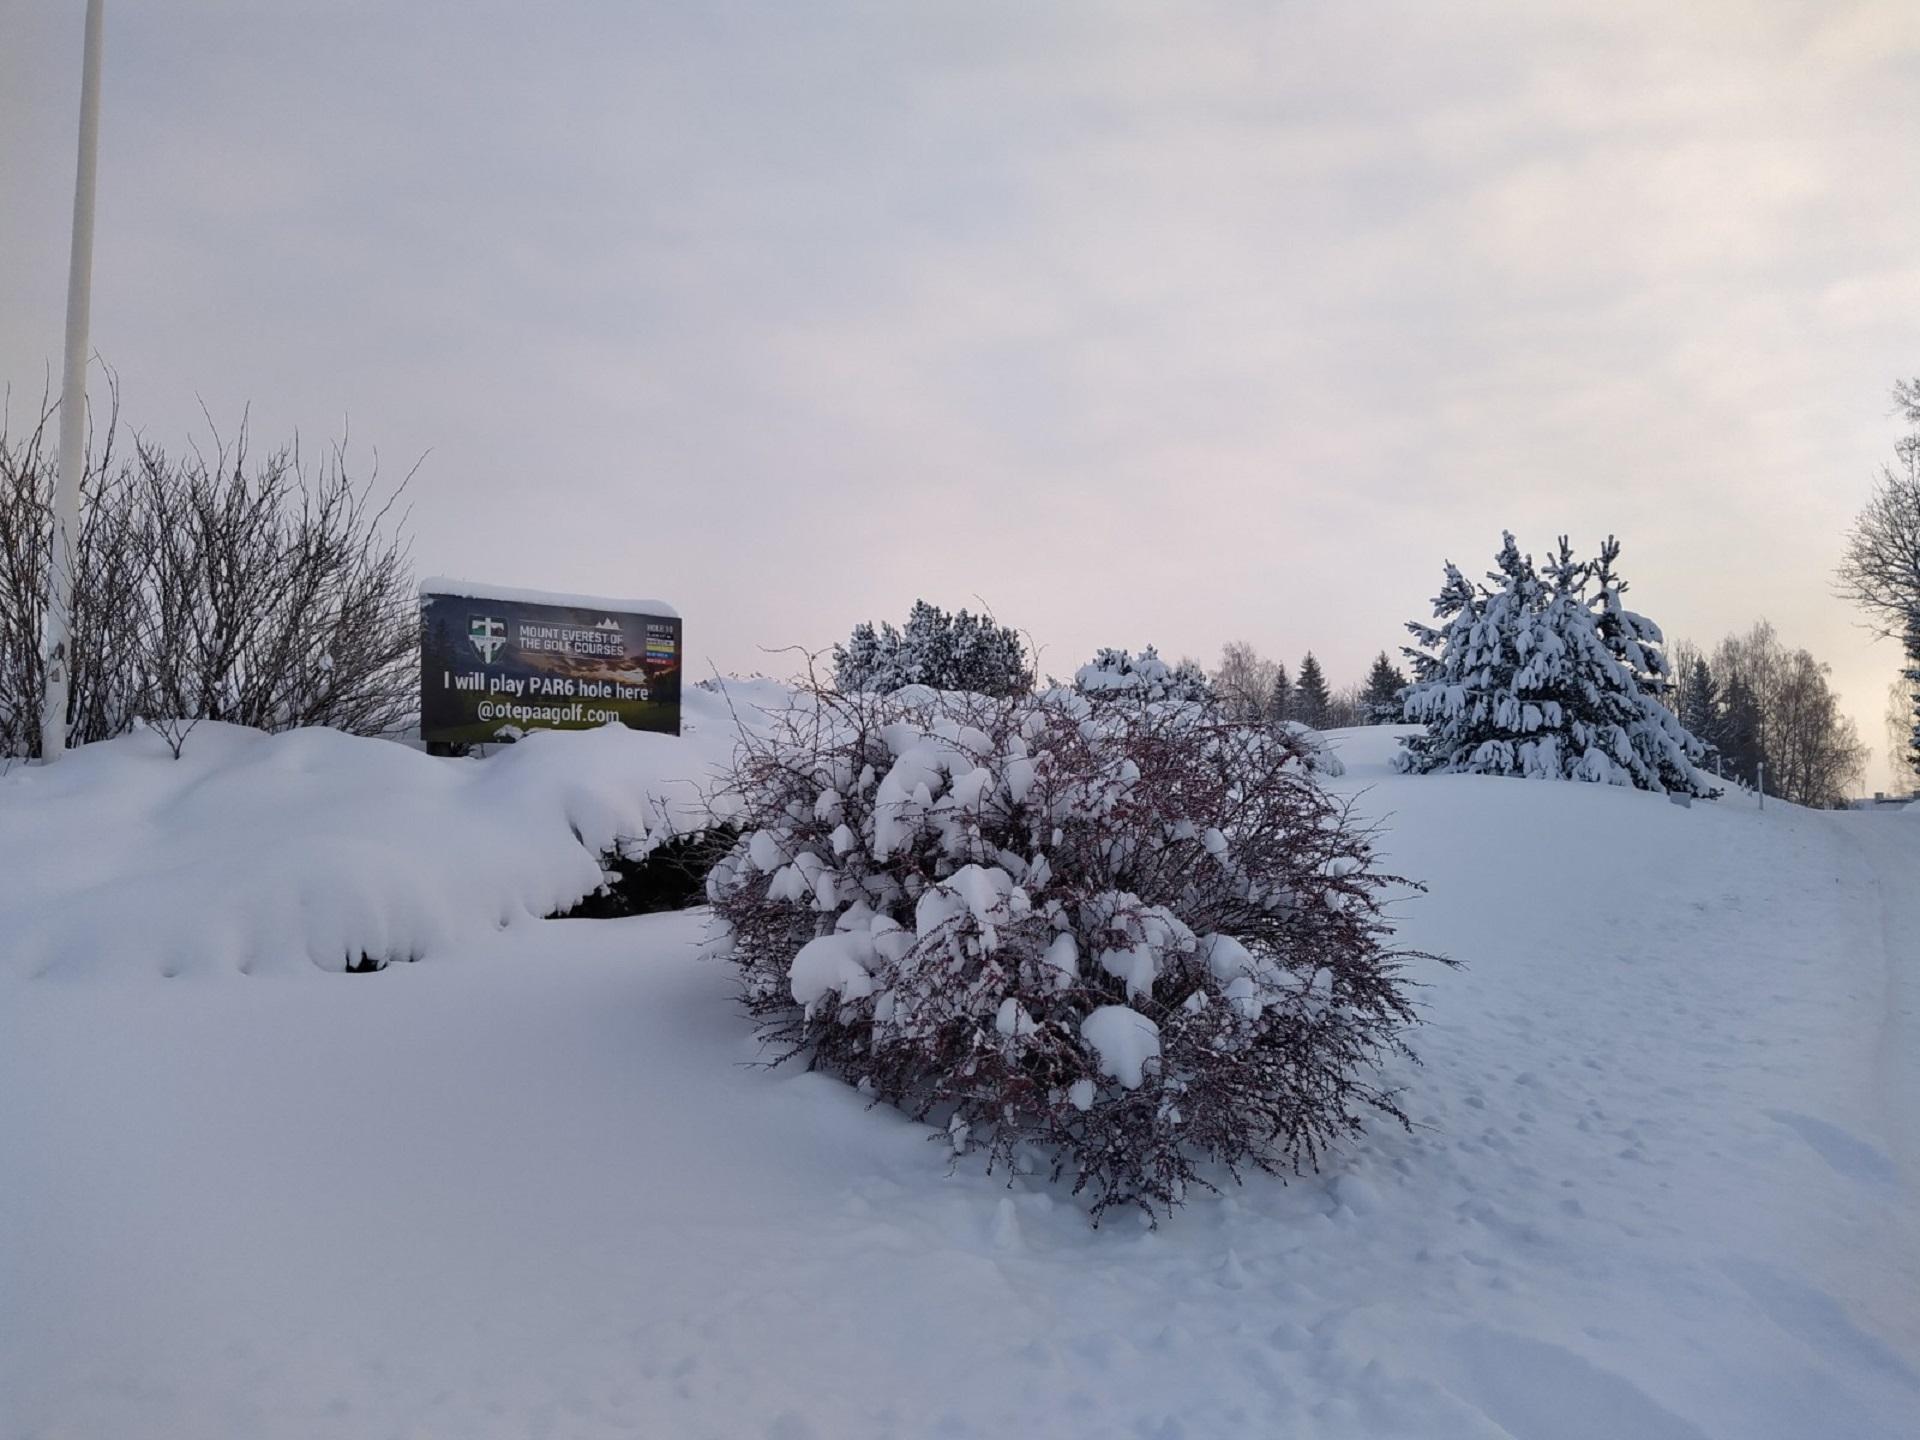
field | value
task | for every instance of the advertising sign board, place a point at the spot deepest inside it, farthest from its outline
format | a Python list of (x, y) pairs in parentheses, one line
[(496, 663)]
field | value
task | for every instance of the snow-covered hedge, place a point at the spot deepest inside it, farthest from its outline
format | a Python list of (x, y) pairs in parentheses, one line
[(959, 652), (1118, 675), (1123, 939), (1144, 676)]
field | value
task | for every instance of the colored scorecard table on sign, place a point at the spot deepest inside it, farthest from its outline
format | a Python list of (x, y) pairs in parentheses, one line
[(497, 662)]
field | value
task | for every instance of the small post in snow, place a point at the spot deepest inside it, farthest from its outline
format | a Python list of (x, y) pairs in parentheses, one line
[(1760, 782)]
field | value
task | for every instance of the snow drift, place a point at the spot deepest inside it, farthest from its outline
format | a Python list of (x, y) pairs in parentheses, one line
[(314, 848)]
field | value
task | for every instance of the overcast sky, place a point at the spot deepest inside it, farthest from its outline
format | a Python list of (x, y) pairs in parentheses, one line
[(1141, 323)]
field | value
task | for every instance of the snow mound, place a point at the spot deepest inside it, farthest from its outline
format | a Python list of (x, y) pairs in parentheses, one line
[(313, 849)]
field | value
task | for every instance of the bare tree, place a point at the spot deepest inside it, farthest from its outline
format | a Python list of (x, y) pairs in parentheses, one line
[(1881, 569), (1244, 681), (1346, 707), (1783, 715)]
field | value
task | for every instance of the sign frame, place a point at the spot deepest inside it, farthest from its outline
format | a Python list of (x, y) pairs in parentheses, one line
[(498, 663)]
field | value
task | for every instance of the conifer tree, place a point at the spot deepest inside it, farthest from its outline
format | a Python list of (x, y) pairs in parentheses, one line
[(1381, 698), (1634, 640), (1531, 676), (1617, 669), (1281, 700), (1740, 736), (1700, 715), (867, 655), (1114, 672), (1310, 694), (1457, 599), (1463, 687), (943, 651)]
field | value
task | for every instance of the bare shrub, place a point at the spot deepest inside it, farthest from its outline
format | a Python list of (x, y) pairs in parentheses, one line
[(213, 586), (1250, 686), (1119, 940)]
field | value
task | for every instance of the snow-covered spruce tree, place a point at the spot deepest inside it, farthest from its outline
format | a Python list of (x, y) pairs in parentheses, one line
[(1145, 676), (1632, 639), (937, 649), (1381, 698), (869, 660), (1522, 679), (1113, 940), (1464, 667), (1665, 755)]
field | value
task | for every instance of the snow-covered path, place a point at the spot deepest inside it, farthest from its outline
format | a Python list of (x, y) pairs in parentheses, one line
[(1663, 1186), (1891, 847)]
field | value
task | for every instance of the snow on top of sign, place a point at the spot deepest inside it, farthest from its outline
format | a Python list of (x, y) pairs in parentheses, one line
[(477, 590)]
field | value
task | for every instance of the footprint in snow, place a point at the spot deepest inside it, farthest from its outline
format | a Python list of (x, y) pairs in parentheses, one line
[(1846, 1153), (1532, 1387), (1817, 1319)]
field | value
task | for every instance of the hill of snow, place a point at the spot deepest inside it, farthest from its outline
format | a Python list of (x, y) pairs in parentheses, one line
[(256, 852), (1665, 1181)]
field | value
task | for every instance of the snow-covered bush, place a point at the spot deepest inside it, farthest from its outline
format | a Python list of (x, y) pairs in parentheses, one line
[(1117, 940), (1531, 675), (648, 874), (1145, 676), (1146, 679), (1315, 753), (944, 651)]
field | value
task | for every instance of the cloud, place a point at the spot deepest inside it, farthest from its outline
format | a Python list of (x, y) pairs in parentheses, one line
[(1145, 323)]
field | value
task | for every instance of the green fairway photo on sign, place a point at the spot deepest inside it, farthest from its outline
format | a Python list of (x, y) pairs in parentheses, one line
[(496, 663)]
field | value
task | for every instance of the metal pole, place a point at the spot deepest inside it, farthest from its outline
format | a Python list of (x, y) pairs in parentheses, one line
[(56, 637), (1760, 782)]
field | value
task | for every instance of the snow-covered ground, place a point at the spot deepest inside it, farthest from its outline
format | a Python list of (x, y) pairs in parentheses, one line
[(1665, 1183)]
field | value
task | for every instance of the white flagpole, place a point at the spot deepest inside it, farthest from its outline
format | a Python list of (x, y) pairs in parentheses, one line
[(57, 647)]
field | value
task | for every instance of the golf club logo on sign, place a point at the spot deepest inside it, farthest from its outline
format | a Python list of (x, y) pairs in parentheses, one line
[(487, 635)]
